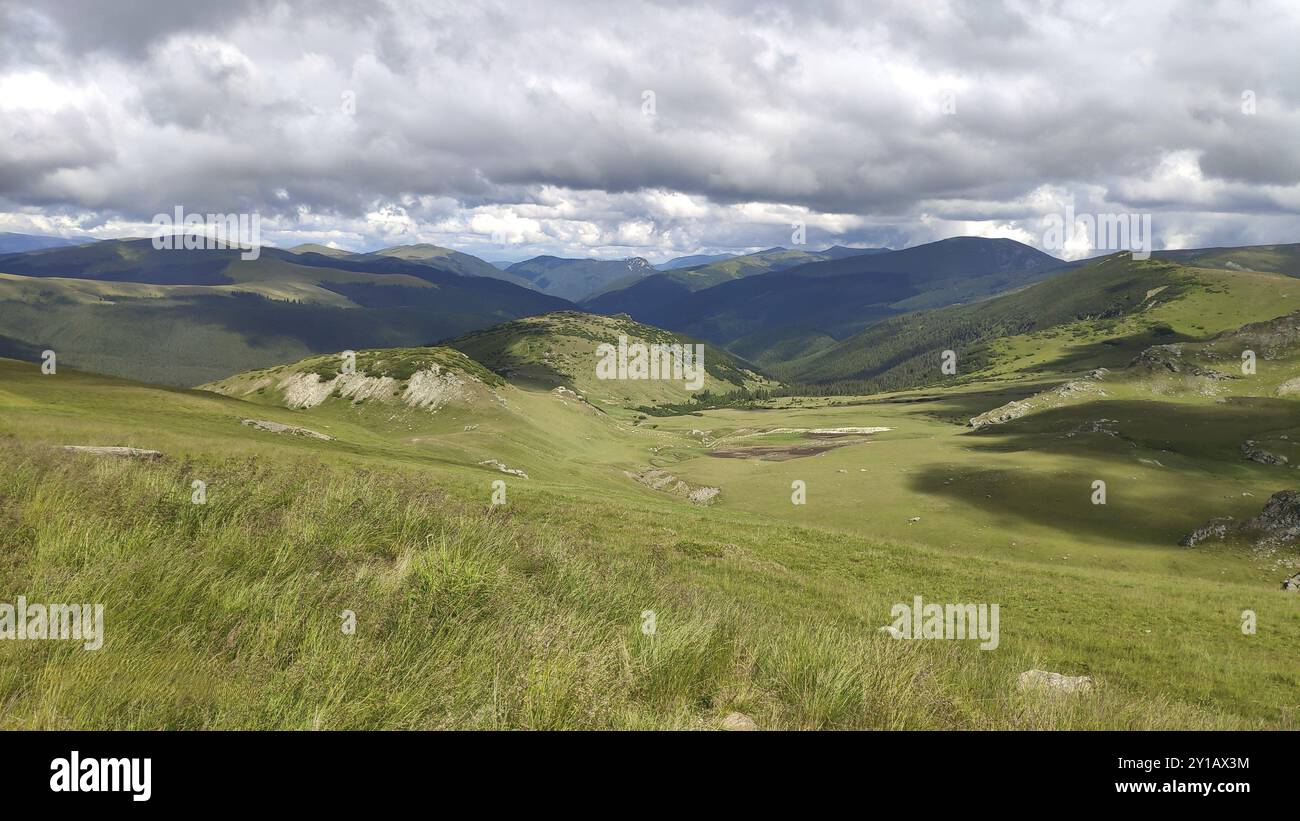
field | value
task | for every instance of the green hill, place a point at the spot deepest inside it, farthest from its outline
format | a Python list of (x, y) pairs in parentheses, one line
[(577, 279), (315, 248), (561, 350), (1282, 259), (183, 317), (787, 314), (1100, 315), (707, 272), (11, 242), (469, 614)]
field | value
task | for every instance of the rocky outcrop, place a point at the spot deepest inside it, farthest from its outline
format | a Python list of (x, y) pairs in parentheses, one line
[(662, 480), (501, 467), (1159, 359), (1277, 523), (1074, 389), (1280, 518), (1289, 388), (427, 389), (288, 430), (130, 453), (1255, 453), (1213, 530), (1000, 415), (1168, 359), (1292, 583)]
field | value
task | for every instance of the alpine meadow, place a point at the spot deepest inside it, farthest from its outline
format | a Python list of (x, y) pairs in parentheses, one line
[(744, 366)]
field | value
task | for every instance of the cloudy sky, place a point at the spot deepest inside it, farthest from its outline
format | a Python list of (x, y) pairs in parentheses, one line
[(652, 129)]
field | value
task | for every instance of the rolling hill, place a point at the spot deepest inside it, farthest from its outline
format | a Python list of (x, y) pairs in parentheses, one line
[(11, 243), (729, 267), (787, 314), (182, 317), (316, 248), (691, 261), (1100, 315), (559, 350), (445, 259), (478, 613), (576, 279), (1277, 258)]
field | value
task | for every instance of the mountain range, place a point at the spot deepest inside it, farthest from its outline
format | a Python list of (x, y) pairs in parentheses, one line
[(834, 317)]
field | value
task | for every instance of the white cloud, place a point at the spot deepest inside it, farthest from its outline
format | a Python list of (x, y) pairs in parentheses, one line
[(458, 123)]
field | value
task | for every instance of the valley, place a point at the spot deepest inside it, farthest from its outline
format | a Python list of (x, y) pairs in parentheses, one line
[(371, 485)]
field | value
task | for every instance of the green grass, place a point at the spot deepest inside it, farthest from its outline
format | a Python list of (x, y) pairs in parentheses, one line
[(529, 615)]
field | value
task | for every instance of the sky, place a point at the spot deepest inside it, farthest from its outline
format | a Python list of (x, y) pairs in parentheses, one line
[(653, 129)]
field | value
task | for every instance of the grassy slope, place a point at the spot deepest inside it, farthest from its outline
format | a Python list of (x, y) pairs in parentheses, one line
[(791, 315), (267, 311), (227, 615), (1099, 315), (560, 349)]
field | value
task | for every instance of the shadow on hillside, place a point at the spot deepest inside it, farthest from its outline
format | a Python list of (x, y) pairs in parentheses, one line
[(1106, 440), (1135, 513), (1110, 353), (11, 348), (958, 408), (1212, 431)]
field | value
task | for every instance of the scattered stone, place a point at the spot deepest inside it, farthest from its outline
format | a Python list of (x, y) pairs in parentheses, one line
[(1214, 529), (501, 467), (1042, 680), (290, 430), (133, 453), (1292, 583), (471, 427), (738, 722), (914, 520)]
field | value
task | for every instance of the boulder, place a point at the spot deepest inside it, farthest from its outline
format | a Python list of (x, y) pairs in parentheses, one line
[(738, 721), (1044, 681), (1280, 517)]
